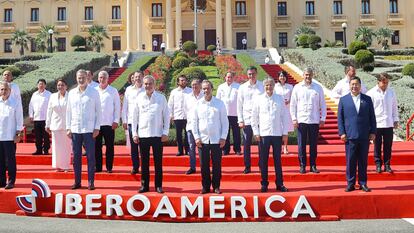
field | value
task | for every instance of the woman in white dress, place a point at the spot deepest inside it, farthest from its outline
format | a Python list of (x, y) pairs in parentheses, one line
[(56, 124), (285, 89)]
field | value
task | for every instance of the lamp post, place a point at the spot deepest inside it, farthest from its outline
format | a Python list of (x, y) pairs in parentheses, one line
[(50, 31), (344, 26)]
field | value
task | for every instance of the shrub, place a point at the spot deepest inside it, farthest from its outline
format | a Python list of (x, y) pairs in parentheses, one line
[(14, 70), (314, 42), (368, 68), (363, 57), (303, 40), (399, 57), (80, 49), (355, 46), (408, 70), (211, 48), (26, 67), (191, 73), (77, 41), (181, 54), (34, 57), (406, 52), (180, 62), (189, 47)]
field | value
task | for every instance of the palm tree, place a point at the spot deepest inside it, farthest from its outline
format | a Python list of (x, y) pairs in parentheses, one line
[(303, 29), (21, 38), (42, 38), (97, 33), (383, 34), (365, 34)]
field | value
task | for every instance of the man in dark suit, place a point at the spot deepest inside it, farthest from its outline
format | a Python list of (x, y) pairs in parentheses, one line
[(357, 126)]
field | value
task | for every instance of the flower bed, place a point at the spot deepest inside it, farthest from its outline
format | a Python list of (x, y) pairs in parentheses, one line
[(227, 63)]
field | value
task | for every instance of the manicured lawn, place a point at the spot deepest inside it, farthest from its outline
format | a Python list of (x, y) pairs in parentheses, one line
[(246, 60)]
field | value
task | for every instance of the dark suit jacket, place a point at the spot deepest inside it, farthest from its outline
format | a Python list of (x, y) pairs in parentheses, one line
[(356, 125)]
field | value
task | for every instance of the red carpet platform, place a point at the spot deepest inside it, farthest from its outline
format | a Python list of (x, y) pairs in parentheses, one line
[(241, 200)]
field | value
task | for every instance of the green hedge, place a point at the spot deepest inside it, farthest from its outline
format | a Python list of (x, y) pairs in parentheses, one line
[(140, 64), (58, 65), (355, 46), (408, 70), (363, 57), (246, 61)]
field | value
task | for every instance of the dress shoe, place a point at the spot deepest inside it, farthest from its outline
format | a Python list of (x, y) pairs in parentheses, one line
[(143, 190), (388, 168), (46, 152), (349, 188), (204, 191), (159, 190), (263, 189), (91, 187), (9, 186), (179, 154), (365, 188), (98, 170), (190, 171), (225, 153), (282, 189), (247, 170), (238, 153), (302, 170), (134, 171), (217, 191), (37, 153), (314, 169), (76, 186), (109, 171), (378, 169)]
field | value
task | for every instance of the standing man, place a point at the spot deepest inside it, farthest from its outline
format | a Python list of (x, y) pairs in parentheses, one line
[(150, 125), (130, 96), (270, 120), (177, 111), (386, 114), (190, 102), (244, 43), (308, 111), (163, 45), (111, 109), (15, 90), (245, 96), (37, 114), (83, 121), (11, 125), (227, 92), (89, 79), (357, 126), (210, 132), (155, 45), (342, 87)]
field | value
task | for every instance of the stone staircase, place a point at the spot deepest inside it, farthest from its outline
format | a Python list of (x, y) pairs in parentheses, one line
[(257, 55)]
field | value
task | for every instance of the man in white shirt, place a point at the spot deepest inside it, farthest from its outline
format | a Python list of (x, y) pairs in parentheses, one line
[(11, 125), (37, 114), (15, 90), (247, 92), (308, 111), (111, 109), (386, 114), (83, 121), (267, 59), (150, 125), (190, 102), (155, 45), (342, 87), (270, 120), (244, 43), (227, 92), (89, 79), (163, 45), (210, 132), (177, 111), (130, 96)]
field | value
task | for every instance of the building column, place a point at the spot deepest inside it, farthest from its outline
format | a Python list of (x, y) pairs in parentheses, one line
[(258, 7), (268, 23), (168, 25), (219, 24), (129, 26), (139, 25), (229, 28), (178, 31)]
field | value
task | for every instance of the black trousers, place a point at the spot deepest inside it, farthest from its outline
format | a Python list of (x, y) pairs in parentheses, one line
[(7, 153), (41, 136), (356, 157), (305, 132), (144, 146), (205, 152), (108, 134), (383, 140), (234, 127), (134, 150), (179, 129), (276, 143)]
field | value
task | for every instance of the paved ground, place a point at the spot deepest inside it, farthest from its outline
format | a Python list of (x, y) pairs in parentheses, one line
[(11, 223)]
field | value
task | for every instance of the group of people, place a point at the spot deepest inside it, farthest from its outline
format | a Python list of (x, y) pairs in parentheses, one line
[(265, 111)]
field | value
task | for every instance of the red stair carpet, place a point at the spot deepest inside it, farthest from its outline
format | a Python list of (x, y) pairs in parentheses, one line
[(391, 197), (115, 73)]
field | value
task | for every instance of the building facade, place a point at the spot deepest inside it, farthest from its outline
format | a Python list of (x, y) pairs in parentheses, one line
[(133, 25)]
